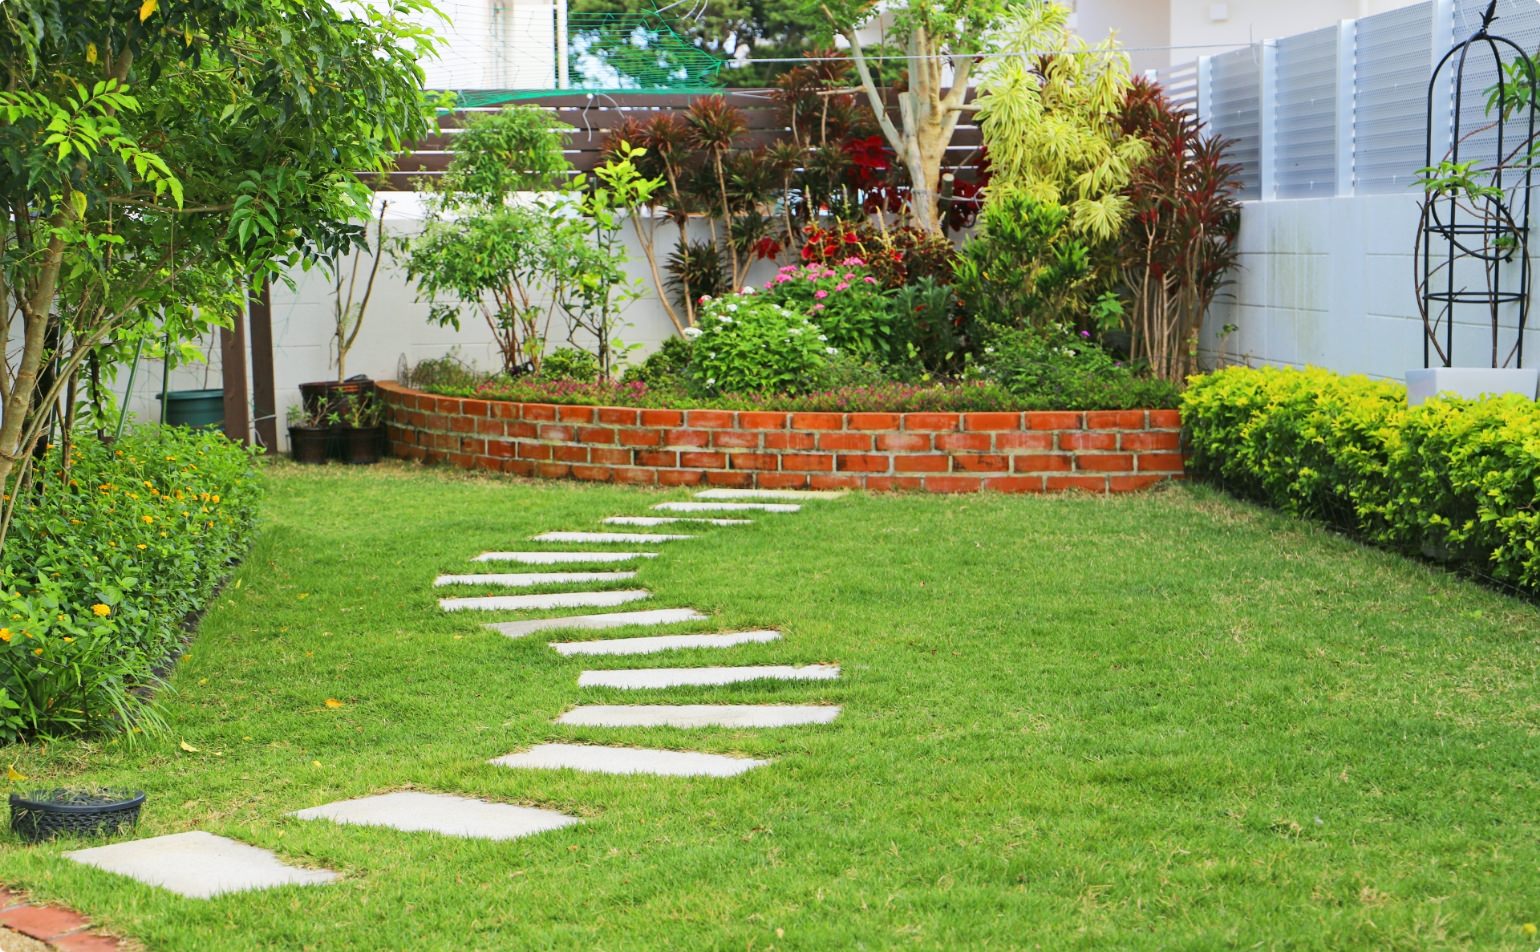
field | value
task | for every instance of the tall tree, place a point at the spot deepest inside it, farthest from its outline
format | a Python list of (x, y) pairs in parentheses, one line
[(157, 155)]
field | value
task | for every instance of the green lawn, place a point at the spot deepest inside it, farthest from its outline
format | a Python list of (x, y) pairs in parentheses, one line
[(1158, 722)]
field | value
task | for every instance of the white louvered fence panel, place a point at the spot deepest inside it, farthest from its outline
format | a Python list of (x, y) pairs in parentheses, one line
[(1234, 111), (1305, 121), (1394, 58)]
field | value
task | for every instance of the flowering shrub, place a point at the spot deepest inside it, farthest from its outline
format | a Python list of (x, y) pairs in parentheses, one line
[(101, 568), (750, 343), (1457, 480), (846, 301)]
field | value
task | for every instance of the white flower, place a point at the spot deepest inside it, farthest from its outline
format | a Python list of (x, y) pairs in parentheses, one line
[(732, 307), (748, 290), (989, 350), (824, 338), (690, 333), (711, 381), (832, 351)]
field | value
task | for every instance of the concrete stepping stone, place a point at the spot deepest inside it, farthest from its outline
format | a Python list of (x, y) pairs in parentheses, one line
[(670, 520), (657, 616), (527, 579), (793, 494), (413, 812), (636, 646), (561, 558), (199, 865), (643, 678), (629, 760), (517, 603), (604, 538), (727, 507), (698, 715)]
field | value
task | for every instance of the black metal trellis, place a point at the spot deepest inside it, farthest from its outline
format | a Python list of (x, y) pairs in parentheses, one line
[(1473, 237)]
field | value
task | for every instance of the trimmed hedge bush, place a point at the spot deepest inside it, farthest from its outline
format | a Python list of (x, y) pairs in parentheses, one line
[(103, 565), (1454, 480)]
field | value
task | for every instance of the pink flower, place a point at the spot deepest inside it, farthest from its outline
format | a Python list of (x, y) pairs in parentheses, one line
[(816, 307), (839, 287), (850, 277), (820, 294), (852, 263), (869, 279)]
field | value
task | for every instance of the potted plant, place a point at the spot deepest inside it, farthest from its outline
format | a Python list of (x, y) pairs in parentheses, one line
[(308, 434), (44, 814), (361, 426)]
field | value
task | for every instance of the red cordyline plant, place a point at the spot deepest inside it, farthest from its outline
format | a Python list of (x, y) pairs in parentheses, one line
[(1180, 242)]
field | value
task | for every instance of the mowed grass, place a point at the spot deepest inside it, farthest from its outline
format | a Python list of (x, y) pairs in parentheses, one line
[(1167, 721)]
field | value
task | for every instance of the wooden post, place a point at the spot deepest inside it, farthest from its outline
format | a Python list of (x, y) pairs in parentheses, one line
[(232, 363), (264, 400)]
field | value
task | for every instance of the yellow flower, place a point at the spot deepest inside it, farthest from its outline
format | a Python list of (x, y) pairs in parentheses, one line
[(147, 519), (37, 651), (216, 498), (5, 634), (68, 639), (100, 610), (142, 547)]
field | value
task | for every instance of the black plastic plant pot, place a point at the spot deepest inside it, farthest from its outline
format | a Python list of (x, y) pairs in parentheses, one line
[(323, 397), (362, 447), (308, 444), (44, 814)]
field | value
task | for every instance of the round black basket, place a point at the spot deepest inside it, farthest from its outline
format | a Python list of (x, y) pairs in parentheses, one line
[(44, 814)]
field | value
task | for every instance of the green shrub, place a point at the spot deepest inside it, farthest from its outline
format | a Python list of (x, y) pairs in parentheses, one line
[(103, 565), (569, 363), (748, 343), (667, 367), (1055, 368), (1452, 479)]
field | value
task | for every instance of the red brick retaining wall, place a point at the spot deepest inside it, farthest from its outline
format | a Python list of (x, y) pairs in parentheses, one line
[(1111, 451)]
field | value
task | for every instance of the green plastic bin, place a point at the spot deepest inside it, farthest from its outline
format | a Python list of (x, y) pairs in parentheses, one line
[(199, 409)]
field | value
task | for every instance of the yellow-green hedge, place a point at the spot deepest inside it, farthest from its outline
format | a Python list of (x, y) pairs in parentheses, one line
[(1454, 480)]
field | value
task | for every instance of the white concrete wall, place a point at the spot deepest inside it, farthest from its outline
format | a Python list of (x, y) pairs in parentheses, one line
[(1330, 283), (396, 327)]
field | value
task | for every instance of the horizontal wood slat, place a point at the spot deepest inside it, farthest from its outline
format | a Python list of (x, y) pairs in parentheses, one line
[(594, 117)]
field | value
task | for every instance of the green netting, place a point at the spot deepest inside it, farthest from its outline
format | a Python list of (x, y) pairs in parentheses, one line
[(619, 52)]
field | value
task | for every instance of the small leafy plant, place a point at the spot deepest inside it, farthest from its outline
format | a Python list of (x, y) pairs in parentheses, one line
[(749, 343)]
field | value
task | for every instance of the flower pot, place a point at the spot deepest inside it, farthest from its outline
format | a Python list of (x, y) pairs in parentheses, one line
[(44, 814), (361, 445), (1469, 382), (322, 397), (199, 409), (308, 444)]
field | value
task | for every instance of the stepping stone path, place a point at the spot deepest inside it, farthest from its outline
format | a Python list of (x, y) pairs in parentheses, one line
[(518, 603), (727, 507), (658, 616), (413, 812), (643, 678), (698, 715), (668, 520), (529, 579), (629, 760), (200, 865), (561, 558), (635, 646), (606, 538)]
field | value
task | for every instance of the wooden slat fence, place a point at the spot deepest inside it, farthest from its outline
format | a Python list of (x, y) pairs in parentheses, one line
[(593, 117)]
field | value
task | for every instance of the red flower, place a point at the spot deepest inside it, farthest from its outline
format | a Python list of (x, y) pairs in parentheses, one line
[(768, 247)]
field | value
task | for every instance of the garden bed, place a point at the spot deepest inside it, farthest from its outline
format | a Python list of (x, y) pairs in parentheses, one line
[(1013, 451)]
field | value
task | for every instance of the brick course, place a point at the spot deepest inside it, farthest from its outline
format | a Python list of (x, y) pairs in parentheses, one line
[(1097, 451)]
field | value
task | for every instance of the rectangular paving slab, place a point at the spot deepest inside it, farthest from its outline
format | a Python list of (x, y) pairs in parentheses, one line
[(640, 678), (657, 616), (629, 760), (793, 494), (415, 812), (698, 715), (515, 603), (528, 579), (637, 646), (561, 558), (727, 507), (605, 538), (670, 520), (199, 865)]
